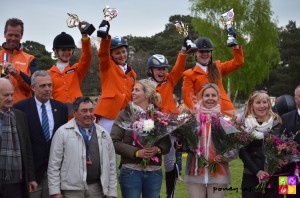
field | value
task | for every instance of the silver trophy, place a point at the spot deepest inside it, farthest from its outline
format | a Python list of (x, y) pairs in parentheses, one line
[(109, 14), (227, 20), (183, 29), (85, 28)]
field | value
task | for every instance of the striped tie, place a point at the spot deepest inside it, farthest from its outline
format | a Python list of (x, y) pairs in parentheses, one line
[(45, 123)]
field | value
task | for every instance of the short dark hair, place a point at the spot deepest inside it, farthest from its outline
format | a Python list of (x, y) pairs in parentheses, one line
[(14, 22), (80, 100)]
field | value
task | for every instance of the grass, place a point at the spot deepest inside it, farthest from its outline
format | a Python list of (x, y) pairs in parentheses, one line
[(236, 168)]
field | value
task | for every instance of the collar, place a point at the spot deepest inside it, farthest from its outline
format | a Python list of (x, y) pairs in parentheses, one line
[(203, 67), (39, 104), (17, 48), (123, 67)]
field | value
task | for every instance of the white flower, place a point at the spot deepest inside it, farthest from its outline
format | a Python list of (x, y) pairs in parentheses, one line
[(182, 116), (148, 125)]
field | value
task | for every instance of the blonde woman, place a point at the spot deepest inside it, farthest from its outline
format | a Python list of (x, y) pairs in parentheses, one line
[(134, 178), (201, 183), (260, 119)]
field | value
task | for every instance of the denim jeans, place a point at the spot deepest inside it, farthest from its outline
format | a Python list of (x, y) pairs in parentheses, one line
[(134, 183)]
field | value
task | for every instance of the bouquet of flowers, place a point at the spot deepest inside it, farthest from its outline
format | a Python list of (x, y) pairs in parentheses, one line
[(188, 134), (149, 127), (277, 149), (228, 136), (187, 131)]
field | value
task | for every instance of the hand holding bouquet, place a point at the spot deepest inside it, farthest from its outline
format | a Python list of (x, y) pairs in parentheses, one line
[(277, 150), (148, 128)]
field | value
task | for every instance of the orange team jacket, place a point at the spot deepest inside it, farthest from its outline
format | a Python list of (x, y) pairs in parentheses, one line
[(194, 79), (22, 62), (66, 84), (115, 84), (166, 88)]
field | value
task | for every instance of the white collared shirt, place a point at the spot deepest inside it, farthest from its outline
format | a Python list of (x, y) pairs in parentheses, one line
[(204, 68), (123, 67), (298, 110), (49, 114)]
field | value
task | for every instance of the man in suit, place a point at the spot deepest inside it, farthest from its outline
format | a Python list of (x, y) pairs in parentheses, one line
[(41, 132), (16, 163), (291, 127)]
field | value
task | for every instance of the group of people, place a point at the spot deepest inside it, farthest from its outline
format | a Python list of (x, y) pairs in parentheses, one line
[(56, 142)]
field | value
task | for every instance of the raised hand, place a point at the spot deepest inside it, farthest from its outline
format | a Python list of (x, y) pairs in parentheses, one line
[(103, 29)]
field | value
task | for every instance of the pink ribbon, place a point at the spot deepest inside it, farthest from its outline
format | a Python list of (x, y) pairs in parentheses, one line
[(203, 119), (136, 140)]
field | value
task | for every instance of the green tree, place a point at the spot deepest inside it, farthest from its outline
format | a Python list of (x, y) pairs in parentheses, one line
[(43, 57), (168, 43), (285, 76), (256, 32)]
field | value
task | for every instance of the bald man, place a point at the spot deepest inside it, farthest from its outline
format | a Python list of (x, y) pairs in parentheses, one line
[(16, 161)]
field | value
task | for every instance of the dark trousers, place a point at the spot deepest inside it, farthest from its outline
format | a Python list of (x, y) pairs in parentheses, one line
[(249, 183), (14, 190)]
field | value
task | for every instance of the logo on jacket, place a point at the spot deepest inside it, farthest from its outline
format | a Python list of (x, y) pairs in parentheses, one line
[(70, 71)]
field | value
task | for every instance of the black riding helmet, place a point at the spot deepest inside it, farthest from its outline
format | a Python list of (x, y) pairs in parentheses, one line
[(204, 43), (63, 40), (117, 41)]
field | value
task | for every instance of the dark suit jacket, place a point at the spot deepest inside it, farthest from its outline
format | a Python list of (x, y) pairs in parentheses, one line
[(40, 148), (25, 145), (289, 125)]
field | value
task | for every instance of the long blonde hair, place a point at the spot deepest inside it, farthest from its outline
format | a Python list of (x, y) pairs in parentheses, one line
[(260, 95), (150, 91)]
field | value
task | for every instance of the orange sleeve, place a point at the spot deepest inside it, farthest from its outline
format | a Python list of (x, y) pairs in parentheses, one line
[(178, 69), (85, 60), (188, 89)]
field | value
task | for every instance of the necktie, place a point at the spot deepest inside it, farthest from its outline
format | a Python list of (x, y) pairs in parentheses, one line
[(45, 123)]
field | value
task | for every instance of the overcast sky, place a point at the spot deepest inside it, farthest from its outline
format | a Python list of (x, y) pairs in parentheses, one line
[(44, 19)]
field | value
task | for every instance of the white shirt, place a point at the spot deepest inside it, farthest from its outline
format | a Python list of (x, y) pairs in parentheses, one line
[(298, 110), (204, 68), (123, 67), (49, 114)]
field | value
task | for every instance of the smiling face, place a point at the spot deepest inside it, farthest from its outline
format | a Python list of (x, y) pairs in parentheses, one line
[(210, 98), (203, 57), (139, 96), (119, 55), (159, 73), (84, 116), (13, 36), (261, 108), (65, 54)]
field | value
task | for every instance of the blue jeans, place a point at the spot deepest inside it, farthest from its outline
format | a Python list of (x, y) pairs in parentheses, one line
[(134, 182)]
